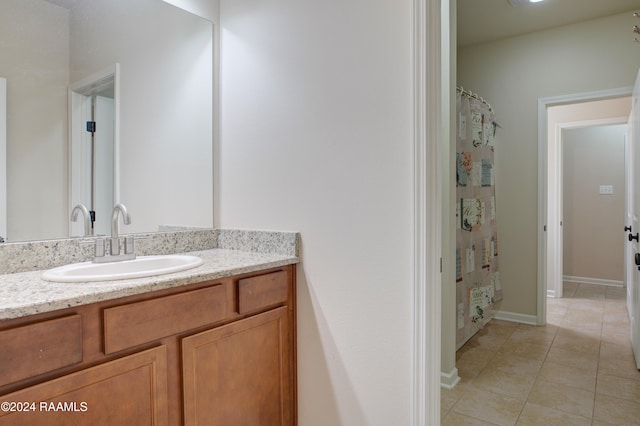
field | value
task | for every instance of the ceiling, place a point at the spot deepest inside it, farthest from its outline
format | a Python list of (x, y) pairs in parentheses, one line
[(481, 21)]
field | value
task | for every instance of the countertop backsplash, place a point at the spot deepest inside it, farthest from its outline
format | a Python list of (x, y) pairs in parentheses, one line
[(38, 255)]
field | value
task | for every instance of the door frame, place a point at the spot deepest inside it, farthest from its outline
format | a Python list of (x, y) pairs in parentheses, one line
[(427, 113), (549, 202)]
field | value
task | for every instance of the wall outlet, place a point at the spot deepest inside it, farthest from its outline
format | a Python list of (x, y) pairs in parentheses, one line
[(606, 189)]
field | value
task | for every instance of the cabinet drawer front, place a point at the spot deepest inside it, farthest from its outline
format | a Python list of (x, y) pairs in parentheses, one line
[(126, 391), (39, 348), (141, 322), (262, 291)]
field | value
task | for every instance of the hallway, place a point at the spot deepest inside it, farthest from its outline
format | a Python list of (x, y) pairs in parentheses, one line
[(576, 370)]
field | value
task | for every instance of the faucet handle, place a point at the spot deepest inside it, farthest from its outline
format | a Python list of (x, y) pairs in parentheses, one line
[(129, 243), (99, 246), (100, 251)]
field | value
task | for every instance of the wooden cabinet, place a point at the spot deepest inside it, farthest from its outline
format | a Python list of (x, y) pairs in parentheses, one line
[(240, 373), (130, 390), (213, 353), (41, 347), (136, 323), (262, 291)]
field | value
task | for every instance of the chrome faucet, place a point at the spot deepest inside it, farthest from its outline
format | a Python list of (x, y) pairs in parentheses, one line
[(115, 238), (114, 251), (80, 208)]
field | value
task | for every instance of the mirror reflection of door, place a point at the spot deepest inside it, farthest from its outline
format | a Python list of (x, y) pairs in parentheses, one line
[(93, 147), (97, 161)]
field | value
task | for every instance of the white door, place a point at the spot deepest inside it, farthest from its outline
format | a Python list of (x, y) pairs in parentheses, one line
[(633, 302), (629, 225), (93, 180), (92, 160), (104, 165)]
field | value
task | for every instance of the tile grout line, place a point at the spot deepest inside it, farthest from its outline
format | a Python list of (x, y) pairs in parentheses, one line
[(558, 324), (595, 389), (537, 376)]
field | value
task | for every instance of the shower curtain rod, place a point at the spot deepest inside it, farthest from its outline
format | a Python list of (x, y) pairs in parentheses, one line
[(470, 94)]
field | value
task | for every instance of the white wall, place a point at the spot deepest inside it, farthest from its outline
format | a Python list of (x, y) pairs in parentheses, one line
[(166, 91), (593, 243), (512, 75), (3, 159), (316, 137), (34, 51)]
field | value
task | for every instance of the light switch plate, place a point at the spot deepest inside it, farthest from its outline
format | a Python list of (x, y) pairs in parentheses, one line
[(606, 189)]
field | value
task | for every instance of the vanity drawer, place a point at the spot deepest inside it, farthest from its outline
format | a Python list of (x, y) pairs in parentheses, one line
[(39, 348), (262, 291), (141, 322)]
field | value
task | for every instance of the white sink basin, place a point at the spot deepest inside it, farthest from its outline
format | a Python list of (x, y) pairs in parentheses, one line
[(143, 266)]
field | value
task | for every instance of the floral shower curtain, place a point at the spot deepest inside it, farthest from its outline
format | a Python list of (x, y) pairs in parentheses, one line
[(477, 275)]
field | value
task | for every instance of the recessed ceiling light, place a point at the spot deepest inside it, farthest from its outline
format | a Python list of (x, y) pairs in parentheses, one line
[(522, 2)]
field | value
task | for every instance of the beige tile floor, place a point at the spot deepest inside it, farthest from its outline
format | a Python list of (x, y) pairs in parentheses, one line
[(576, 370)]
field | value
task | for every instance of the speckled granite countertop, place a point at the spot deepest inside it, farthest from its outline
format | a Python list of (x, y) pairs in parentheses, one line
[(225, 252), (25, 293)]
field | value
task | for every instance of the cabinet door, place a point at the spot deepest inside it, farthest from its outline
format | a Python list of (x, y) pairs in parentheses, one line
[(240, 374), (127, 391)]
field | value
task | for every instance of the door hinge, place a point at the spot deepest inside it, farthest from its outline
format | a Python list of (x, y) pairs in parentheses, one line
[(91, 126), (440, 265), (545, 228)]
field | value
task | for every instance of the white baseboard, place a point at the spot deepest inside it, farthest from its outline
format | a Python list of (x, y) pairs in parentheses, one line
[(450, 379), (515, 317), (596, 281)]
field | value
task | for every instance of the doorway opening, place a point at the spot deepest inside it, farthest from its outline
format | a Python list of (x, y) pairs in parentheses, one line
[(556, 116), (593, 201)]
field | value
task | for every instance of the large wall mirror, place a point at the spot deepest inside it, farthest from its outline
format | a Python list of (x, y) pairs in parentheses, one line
[(160, 108)]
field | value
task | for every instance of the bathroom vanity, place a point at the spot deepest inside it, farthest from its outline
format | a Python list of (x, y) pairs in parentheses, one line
[(214, 345)]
